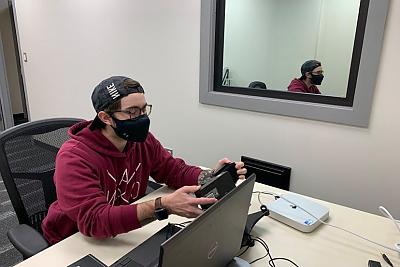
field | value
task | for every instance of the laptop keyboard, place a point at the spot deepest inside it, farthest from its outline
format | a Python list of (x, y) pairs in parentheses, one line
[(128, 262)]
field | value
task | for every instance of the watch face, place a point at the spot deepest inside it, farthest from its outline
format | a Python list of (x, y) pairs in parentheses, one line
[(161, 214)]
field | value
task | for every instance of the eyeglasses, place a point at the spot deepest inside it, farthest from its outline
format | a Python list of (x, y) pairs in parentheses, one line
[(318, 72), (134, 112)]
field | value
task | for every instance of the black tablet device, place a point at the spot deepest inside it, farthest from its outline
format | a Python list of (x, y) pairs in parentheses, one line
[(217, 187)]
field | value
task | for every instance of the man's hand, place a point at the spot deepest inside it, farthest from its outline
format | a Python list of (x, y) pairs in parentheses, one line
[(239, 167), (183, 203)]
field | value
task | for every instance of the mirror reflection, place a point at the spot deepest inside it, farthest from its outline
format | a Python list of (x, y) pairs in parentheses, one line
[(301, 46)]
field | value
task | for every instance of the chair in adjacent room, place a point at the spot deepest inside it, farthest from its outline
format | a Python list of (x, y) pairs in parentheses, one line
[(268, 173), (27, 162), (258, 85)]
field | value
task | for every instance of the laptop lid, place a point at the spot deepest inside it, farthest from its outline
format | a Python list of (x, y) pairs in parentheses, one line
[(213, 238)]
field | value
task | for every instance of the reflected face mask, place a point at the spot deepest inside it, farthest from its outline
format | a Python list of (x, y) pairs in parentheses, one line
[(317, 79)]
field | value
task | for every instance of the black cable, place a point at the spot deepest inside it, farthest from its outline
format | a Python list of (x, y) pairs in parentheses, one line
[(271, 260), (262, 242), (285, 259), (253, 261), (241, 253)]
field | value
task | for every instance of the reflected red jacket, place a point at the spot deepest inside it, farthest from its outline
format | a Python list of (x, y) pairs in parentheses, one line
[(298, 85), (96, 183)]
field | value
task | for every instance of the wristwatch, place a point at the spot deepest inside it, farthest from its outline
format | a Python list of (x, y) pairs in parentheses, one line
[(160, 212)]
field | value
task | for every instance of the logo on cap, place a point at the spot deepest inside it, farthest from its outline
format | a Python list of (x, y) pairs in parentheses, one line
[(113, 91)]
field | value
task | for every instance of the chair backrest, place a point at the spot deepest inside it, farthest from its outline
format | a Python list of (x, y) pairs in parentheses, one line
[(268, 173), (27, 161), (258, 85)]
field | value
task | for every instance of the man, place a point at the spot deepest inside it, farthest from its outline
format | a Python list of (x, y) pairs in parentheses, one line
[(105, 167), (311, 76)]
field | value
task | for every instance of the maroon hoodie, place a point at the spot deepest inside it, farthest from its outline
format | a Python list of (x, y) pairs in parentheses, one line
[(298, 85), (96, 183)]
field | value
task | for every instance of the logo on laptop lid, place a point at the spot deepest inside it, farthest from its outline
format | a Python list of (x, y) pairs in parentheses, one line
[(212, 250)]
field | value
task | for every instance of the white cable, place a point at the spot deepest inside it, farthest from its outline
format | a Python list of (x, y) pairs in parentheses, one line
[(397, 246), (387, 214)]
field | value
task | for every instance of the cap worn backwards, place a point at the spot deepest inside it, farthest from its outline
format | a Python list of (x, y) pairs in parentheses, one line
[(112, 89), (309, 65)]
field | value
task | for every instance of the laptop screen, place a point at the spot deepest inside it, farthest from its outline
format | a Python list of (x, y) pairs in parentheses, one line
[(213, 238)]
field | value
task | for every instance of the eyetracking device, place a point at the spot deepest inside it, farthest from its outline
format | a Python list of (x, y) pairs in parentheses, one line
[(217, 187), (229, 167)]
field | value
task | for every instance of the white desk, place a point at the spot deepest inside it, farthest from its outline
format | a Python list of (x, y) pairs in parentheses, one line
[(325, 246)]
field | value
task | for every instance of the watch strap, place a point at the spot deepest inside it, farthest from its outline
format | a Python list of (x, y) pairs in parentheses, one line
[(157, 204)]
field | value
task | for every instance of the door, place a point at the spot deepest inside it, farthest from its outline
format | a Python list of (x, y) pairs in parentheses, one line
[(6, 119)]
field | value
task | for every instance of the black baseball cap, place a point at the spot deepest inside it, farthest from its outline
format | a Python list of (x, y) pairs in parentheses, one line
[(309, 65), (109, 91)]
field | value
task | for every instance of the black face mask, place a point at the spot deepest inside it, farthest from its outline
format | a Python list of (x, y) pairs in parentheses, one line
[(135, 129), (317, 79)]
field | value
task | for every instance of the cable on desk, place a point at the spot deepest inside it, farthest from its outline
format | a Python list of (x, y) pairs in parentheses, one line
[(266, 193), (331, 225), (272, 260), (244, 251), (387, 214), (284, 259), (264, 244)]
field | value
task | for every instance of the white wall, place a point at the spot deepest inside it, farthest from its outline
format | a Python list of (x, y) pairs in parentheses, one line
[(74, 44), (335, 43), (269, 40)]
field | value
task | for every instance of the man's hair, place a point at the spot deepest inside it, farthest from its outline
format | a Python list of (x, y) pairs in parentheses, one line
[(114, 106)]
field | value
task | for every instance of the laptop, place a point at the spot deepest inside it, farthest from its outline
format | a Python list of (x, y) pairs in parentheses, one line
[(213, 239)]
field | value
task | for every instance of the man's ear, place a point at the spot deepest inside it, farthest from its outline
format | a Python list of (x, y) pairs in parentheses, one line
[(308, 75), (106, 118)]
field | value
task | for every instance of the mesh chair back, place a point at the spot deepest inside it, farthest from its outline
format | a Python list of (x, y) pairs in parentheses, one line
[(27, 161)]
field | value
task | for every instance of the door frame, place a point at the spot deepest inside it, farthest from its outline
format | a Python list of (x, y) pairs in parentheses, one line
[(19, 59), (5, 105)]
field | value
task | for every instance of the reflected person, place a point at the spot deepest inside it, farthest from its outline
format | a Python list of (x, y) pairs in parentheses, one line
[(311, 76)]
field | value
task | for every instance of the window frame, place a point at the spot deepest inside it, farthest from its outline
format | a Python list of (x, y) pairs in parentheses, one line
[(354, 109)]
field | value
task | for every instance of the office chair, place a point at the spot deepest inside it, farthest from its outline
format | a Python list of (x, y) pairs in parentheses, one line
[(268, 173), (258, 85), (27, 161)]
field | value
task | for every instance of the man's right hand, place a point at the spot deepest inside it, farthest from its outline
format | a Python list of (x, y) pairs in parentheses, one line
[(183, 203)]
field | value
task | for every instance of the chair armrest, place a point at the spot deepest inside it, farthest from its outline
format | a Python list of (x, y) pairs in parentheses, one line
[(26, 240)]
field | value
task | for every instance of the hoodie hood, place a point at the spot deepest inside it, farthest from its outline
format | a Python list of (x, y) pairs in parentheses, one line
[(95, 140)]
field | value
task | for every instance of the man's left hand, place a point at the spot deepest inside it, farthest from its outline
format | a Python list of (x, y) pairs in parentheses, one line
[(241, 171)]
